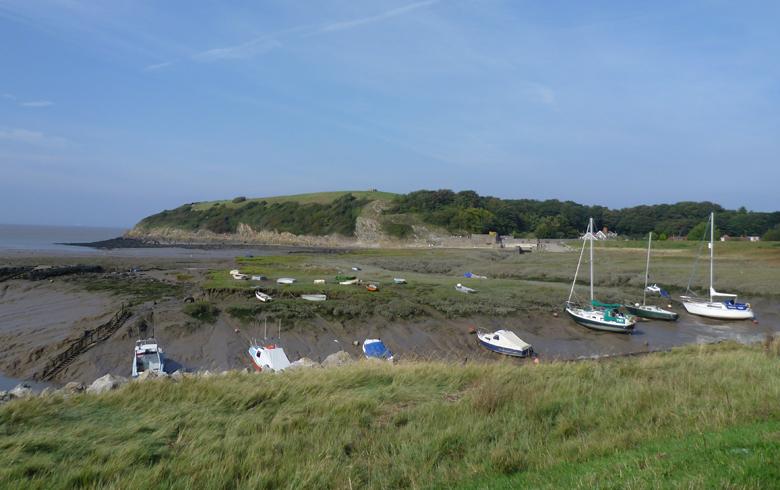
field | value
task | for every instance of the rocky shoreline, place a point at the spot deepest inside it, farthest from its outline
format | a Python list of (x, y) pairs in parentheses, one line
[(110, 382)]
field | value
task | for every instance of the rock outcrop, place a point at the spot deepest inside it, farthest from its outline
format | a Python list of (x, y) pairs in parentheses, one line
[(106, 383), (340, 358)]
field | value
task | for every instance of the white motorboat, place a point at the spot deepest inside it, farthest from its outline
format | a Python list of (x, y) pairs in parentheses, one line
[(349, 282), (399, 280), (265, 298), (238, 275), (268, 357), (314, 297), (148, 356), (285, 280), (504, 342), (319, 281), (464, 289), (722, 306)]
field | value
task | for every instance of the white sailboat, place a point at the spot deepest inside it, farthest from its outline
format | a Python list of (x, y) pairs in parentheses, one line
[(598, 316), (723, 306)]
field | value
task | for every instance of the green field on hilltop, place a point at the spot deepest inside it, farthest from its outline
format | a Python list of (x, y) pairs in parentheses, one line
[(697, 417), (309, 198)]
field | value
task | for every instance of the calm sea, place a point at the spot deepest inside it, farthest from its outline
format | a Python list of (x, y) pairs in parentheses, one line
[(46, 238)]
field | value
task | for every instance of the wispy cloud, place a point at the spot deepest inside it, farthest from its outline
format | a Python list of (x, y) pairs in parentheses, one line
[(249, 49), (158, 66), (18, 135), (37, 103), (9, 97), (349, 24)]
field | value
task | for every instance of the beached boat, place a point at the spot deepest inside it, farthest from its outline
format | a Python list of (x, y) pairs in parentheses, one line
[(376, 349), (259, 278), (372, 287), (285, 280), (238, 275), (596, 315), (314, 297), (504, 342), (265, 298), (723, 306), (471, 275), (319, 281), (464, 289), (148, 356), (650, 311), (268, 357), (399, 280), (349, 282)]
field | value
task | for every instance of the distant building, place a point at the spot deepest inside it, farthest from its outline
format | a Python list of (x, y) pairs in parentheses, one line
[(754, 238), (743, 238)]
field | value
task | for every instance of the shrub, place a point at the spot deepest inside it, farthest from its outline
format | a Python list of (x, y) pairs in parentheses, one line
[(239, 199), (202, 311), (398, 230)]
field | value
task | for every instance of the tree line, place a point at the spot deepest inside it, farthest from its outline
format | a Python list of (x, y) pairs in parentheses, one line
[(467, 212)]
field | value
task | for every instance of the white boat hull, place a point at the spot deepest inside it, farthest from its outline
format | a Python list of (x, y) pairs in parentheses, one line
[(717, 309)]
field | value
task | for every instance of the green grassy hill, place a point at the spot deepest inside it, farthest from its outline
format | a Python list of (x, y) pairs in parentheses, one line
[(698, 417)]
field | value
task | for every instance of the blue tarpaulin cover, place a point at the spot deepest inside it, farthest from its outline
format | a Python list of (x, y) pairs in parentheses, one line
[(376, 348)]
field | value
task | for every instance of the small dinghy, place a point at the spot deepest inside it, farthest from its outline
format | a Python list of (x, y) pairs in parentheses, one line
[(376, 349), (463, 289), (148, 357), (399, 280), (504, 342), (259, 278), (269, 357), (285, 280), (349, 282), (319, 281), (372, 288), (265, 298), (314, 297), (238, 275)]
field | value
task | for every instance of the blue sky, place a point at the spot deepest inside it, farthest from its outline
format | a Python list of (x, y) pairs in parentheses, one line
[(112, 110)]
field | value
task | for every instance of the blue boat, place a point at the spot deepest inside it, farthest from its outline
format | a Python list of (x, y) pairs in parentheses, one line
[(376, 349)]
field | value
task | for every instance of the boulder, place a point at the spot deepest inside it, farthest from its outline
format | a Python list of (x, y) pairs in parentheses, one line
[(73, 388), (146, 375), (302, 363), (177, 375), (3, 396), (106, 383), (336, 359), (47, 391), (206, 374), (21, 391)]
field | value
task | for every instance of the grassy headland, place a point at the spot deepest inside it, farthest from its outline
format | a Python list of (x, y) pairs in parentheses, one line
[(698, 417)]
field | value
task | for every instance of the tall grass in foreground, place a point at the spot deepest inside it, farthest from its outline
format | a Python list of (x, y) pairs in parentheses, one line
[(380, 426)]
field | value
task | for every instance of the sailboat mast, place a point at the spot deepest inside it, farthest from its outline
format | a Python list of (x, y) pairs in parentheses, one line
[(590, 237), (712, 251), (647, 267)]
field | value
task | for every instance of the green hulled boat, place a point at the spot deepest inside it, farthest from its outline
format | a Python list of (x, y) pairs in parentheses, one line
[(650, 311)]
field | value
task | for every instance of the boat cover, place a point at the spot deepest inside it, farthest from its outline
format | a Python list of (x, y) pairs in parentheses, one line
[(376, 348)]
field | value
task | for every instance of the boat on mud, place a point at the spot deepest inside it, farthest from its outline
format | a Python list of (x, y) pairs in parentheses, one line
[(285, 280), (314, 297), (464, 289), (650, 311), (504, 342), (399, 280), (349, 282), (376, 349), (596, 315), (148, 356), (268, 357), (265, 298), (235, 274), (722, 306), (372, 288)]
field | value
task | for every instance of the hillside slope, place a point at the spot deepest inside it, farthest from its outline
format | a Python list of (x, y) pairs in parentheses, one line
[(699, 417)]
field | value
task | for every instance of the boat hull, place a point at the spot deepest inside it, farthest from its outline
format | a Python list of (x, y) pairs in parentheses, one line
[(505, 350), (602, 325), (717, 310), (654, 314)]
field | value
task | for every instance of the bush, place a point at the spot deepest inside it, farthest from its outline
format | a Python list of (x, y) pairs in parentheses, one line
[(202, 311), (773, 235), (239, 199), (398, 230)]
